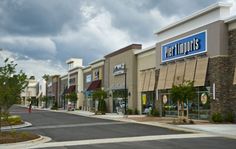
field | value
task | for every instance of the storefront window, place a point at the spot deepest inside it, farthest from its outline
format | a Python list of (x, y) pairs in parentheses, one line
[(198, 108), (148, 99), (119, 100)]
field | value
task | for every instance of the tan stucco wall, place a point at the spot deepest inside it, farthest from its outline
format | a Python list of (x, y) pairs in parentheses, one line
[(146, 60), (117, 82)]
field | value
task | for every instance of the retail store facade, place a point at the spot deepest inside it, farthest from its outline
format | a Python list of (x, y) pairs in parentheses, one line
[(199, 49)]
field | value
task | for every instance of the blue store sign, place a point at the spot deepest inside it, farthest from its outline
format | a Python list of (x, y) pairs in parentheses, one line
[(187, 46)]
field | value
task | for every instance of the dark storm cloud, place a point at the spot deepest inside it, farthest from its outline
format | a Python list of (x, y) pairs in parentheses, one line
[(36, 17), (137, 20)]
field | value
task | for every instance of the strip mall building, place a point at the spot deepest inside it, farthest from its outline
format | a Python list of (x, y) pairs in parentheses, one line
[(199, 48)]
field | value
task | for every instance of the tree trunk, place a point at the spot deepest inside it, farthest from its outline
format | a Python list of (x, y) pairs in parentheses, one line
[(178, 107), (182, 109), (0, 119)]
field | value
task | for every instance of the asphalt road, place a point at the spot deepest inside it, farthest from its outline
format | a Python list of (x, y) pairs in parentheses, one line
[(63, 127)]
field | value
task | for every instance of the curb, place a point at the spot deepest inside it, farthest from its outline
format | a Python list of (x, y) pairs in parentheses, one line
[(26, 144), (26, 124)]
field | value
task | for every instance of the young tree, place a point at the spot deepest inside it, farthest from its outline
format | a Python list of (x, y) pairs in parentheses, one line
[(100, 95), (11, 86), (182, 93), (72, 97)]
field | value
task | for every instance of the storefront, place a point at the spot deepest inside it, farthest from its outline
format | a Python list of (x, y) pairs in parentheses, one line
[(196, 49), (93, 81), (120, 78), (146, 79)]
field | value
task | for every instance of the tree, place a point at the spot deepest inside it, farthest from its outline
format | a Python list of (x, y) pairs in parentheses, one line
[(72, 97), (45, 77), (11, 86), (100, 95), (183, 93)]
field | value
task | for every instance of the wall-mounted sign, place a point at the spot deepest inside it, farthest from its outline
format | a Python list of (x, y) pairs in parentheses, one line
[(204, 98), (88, 78), (184, 47), (96, 74), (119, 69)]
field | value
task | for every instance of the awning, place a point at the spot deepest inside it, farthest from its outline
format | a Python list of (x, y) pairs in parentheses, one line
[(70, 89), (152, 80), (201, 70), (190, 70), (141, 80), (162, 77), (179, 74), (234, 76), (170, 76), (147, 80), (94, 85)]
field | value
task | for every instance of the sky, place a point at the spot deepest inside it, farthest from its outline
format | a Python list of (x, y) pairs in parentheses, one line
[(40, 35)]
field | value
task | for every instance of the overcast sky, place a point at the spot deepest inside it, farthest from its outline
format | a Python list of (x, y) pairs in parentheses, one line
[(40, 35)]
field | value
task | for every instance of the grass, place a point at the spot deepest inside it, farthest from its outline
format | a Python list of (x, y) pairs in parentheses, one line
[(14, 136)]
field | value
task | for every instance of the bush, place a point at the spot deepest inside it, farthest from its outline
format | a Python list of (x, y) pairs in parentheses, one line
[(102, 106), (129, 111), (217, 117), (14, 120), (155, 112), (229, 117), (54, 107), (136, 112)]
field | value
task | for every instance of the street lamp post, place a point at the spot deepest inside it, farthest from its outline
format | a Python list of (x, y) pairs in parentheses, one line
[(125, 73)]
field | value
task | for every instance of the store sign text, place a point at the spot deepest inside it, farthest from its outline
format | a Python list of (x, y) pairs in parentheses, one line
[(187, 46), (119, 69)]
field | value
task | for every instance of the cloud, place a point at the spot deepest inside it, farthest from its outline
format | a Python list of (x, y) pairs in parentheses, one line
[(31, 66), (50, 32)]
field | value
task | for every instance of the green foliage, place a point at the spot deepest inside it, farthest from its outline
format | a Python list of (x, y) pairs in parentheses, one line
[(14, 120), (55, 106), (217, 117), (136, 112), (155, 112), (183, 91), (72, 97), (12, 83), (229, 117), (99, 94), (45, 77), (129, 111), (102, 106)]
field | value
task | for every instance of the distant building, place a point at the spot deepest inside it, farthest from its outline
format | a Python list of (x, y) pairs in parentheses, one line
[(30, 92)]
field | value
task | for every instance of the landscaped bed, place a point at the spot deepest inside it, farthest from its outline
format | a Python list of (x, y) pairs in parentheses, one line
[(11, 120), (13, 137)]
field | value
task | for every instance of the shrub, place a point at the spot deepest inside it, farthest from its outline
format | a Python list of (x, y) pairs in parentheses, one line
[(129, 111), (54, 107), (136, 112), (217, 117), (14, 120), (191, 121), (155, 112), (229, 117), (102, 106)]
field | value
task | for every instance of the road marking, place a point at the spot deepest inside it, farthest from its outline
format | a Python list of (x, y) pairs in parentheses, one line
[(121, 140), (74, 125)]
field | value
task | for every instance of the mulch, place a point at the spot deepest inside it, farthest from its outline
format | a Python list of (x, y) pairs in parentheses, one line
[(13, 137)]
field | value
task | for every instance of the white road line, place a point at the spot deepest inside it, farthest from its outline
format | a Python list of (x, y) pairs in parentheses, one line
[(120, 140), (74, 125)]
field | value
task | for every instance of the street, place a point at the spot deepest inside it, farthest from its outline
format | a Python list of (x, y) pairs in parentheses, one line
[(74, 131)]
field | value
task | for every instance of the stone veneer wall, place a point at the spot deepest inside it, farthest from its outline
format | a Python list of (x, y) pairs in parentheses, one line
[(221, 72), (232, 63)]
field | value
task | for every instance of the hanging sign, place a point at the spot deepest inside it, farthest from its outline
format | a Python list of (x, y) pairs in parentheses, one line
[(204, 98), (184, 47), (164, 98)]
